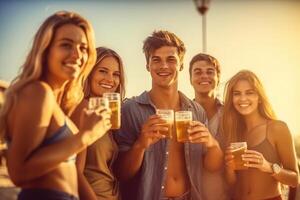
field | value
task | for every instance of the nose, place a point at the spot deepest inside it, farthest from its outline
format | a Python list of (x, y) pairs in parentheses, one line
[(109, 77), (76, 53), (164, 64)]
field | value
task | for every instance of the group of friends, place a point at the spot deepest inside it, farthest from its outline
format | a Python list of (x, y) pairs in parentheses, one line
[(59, 149)]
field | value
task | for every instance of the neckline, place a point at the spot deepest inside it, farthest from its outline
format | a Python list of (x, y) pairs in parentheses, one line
[(256, 126)]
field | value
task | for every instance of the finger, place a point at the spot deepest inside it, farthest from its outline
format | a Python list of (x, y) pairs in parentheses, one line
[(253, 152), (252, 165), (196, 123), (195, 129), (199, 136)]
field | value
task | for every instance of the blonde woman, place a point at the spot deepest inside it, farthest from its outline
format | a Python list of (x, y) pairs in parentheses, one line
[(270, 159), (95, 164), (42, 140)]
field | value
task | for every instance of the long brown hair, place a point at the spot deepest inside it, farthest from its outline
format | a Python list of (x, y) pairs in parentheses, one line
[(103, 52), (232, 122), (35, 63)]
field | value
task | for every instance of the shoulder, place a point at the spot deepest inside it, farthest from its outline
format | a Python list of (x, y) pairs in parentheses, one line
[(37, 89), (278, 130), (36, 94)]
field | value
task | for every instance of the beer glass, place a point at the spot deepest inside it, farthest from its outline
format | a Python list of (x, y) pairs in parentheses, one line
[(96, 102), (239, 149), (182, 121), (115, 107), (167, 115)]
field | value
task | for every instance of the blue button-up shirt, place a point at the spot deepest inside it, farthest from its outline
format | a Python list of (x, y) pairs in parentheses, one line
[(152, 174)]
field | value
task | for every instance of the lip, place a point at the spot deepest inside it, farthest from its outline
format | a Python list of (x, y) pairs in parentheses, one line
[(105, 85), (204, 83), (164, 73)]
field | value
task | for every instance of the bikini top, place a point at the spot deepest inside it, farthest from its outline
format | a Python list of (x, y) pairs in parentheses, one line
[(63, 132)]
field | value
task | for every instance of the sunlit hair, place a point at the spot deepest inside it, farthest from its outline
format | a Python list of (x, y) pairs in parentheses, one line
[(102, 53), (209, 59), (159, 39), (233, 124), (36, 64)]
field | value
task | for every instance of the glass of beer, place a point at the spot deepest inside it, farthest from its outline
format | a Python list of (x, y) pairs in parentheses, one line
[(115, 107), (167, 115), (239, 149), (96, 102), (182, 121)]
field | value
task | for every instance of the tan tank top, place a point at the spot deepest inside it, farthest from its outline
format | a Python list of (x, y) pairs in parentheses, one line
[(98, 167)]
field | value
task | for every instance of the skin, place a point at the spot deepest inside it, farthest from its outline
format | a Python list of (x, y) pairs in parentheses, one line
[(204, 80), (164, 66), (36, 115), (105, 77), (246, 101)]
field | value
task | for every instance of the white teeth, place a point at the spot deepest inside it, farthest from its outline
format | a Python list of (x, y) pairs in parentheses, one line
[(244, 105), (163, 74), (204, 83), (106, 86), (71, 65)]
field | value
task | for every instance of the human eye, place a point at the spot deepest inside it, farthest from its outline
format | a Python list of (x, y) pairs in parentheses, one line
[(102, 71), (116, 74), (84, 48), (250, 92), (66, 45), (211, 72), (236, 93), (172, 60)]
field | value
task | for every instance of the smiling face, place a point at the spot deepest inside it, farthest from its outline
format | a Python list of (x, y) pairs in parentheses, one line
[(105, 76), (163, 66), (68, 52), (245, 98), (204, 78)]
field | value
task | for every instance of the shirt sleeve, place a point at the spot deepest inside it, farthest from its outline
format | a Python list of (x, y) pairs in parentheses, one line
[(128, 133)]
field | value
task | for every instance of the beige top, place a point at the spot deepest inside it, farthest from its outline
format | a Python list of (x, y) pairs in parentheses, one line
[(98, 167), (214, 184)]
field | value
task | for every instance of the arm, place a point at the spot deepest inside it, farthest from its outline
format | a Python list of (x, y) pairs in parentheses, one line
[(129, 162), (286, 151), (84, 188), (30, 122), (213, 159), (281, 136), (230, 174)]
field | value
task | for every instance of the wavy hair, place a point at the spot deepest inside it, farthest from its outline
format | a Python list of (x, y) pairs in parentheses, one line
[(102, 53), (232, 122), (161, 38), (35, 64)]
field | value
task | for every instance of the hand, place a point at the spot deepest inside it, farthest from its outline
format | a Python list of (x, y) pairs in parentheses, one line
[(256, 160), (95, 123), (229, 159), (200, 134), (150, 131)]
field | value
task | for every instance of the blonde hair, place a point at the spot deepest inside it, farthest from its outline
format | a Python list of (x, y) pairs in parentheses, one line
[(34, 67), (232, 122), (103, 52)]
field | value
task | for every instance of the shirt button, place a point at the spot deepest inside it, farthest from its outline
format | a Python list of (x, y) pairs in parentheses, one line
[(162, 187), (166, 168), (167, 152)]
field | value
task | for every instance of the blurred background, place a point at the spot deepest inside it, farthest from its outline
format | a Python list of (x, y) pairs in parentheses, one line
[(259, 35)]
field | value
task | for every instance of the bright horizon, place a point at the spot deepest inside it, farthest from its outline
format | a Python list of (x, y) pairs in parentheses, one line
[(262, 36)]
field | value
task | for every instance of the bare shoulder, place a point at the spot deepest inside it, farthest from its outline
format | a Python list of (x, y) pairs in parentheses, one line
[(35, 95), (278, 130)]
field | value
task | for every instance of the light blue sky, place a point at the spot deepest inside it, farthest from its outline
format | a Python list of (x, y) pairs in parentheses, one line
[(260, 35)]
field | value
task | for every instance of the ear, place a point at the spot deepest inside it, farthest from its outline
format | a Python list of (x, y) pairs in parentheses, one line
[(147, 67)]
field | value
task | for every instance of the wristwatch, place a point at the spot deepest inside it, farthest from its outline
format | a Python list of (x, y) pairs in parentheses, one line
[(276, 168)]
